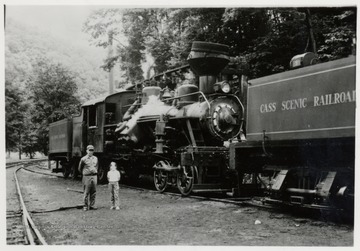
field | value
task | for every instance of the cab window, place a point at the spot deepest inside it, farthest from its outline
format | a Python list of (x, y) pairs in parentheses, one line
[(110, 110), (92, 116)]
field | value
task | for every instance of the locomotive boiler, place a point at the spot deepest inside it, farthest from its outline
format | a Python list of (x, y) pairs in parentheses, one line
[(301, 136), (180, 137)]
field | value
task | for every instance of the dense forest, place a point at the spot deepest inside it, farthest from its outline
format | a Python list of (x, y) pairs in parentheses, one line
[(265, 39), (47, 79)]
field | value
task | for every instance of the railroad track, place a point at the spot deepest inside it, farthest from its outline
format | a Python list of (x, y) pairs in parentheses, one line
[(247, 201), (24, 162), (257, 202), (28, 233)]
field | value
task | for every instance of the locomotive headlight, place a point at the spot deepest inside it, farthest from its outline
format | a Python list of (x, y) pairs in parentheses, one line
[(222, 87), (225, 87)]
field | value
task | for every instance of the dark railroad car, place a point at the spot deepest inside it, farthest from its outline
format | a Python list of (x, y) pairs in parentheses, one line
[(61, 136), (60, 141), (301, 129)]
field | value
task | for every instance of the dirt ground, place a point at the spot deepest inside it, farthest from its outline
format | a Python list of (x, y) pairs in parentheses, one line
[(149, 218)]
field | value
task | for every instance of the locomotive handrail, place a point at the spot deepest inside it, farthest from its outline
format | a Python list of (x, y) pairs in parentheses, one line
[(177, 97), (242, 106), (189, 94)]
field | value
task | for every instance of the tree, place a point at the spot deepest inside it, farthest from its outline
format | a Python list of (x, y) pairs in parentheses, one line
[(52, 92), (15, 117), (101, 23), (29, 140), (135, 22), (167, 34), (335, 29), (104, 25), (266, 38), (286, 37)]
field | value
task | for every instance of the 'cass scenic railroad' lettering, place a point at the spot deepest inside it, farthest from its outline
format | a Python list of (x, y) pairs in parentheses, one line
[(300, 103)]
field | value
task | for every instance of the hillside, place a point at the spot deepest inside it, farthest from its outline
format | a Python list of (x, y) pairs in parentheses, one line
[(25, 45)]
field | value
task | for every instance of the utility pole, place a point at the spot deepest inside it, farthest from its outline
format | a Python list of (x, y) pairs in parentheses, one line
[(310, 30), (20, 144), (111, 70)]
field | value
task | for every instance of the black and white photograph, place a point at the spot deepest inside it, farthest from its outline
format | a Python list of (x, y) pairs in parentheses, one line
[(179, 125)]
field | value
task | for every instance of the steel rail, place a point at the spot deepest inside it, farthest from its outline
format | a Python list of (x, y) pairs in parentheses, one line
[(255, 202), (19, 162), (236, 201), (27, 220)]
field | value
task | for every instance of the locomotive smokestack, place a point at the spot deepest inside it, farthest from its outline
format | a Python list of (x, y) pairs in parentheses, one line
[(207, 60)]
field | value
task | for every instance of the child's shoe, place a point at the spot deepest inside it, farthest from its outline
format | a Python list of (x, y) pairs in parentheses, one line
[(117, 208), (112, 208)]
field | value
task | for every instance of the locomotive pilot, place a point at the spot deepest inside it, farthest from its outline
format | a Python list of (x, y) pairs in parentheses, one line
[(88, 166)]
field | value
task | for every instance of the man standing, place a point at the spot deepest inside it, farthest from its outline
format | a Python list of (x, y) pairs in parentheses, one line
[(88, 166)]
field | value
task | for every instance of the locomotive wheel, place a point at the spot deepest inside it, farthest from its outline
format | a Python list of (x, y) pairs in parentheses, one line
[(74, 171), (185, 180), (160, 180), (66, 170)]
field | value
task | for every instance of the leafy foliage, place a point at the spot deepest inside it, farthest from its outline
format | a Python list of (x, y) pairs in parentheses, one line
[(25, 46), (335, 32), (52, 90), (104, 27), (266, 38), (19, 133), (14, 115), (100, 24)]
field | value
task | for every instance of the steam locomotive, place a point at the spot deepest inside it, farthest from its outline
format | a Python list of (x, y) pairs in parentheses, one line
[(176, 134), (297, 145)]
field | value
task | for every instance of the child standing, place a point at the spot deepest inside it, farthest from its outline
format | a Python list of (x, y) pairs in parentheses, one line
[(114, 177)]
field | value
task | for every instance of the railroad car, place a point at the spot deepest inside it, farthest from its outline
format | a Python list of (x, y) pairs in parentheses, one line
[(300, 136)]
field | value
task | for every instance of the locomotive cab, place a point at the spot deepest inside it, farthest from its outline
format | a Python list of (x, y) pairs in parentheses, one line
[(94, 126), (100, 118)]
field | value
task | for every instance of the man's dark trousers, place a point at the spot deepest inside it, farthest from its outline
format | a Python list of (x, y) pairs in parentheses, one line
[(89, 182)]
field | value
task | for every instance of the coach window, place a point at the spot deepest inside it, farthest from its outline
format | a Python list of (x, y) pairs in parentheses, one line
[(92, 116)]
